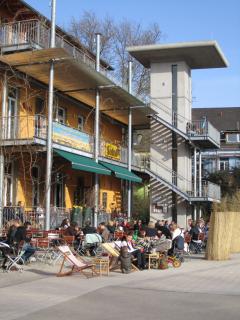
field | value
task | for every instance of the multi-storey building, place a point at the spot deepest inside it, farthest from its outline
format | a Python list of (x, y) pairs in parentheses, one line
[(60, 111), (81, 82), (177, 188), (227, 121)]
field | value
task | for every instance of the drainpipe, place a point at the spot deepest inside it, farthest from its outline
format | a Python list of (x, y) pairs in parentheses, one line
[(195, 172), (200, 173), (50, 120), (4, 107), (129, 209), (97, 131)]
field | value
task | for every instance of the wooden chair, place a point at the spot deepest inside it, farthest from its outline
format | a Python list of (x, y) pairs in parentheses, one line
[(68, 240), (114, 254), (77, 264)]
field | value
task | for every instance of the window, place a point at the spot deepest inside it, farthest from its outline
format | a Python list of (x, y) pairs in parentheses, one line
[(80, 123), (59, 196), (137, 139), (61, 115), (224, 164), (209, 166), (8, 184), (39, 106), (104, 200), (233, 137)]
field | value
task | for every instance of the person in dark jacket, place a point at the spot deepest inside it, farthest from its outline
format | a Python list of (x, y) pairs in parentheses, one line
[(88, 229), (151, 231), (22, 236), (164, 230)]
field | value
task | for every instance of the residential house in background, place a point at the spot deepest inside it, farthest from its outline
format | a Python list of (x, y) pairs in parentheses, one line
[(227, 121)]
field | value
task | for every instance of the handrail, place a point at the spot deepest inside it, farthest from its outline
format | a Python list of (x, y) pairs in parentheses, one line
[(29, 127), (187, 128), (34, 31)]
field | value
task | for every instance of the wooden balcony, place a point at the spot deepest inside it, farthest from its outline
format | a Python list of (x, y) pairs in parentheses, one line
[(25, 130)]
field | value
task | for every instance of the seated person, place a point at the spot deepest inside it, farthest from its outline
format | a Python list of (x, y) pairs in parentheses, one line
[(74, 231), (135, 252), (151, 231), (6, 250), (21, 236), (103, 231), (143, 243), (195, 244), (88, 229), (164, 230), (65, 224), (177, 238)]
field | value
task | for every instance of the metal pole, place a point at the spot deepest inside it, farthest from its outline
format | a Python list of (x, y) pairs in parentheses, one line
[(4, 107), (200, 173), (50, 120), (129, 209), (195, 172), (195, 213), (97, 131)]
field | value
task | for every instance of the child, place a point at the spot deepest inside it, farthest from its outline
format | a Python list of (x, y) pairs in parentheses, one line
[(125, 259)]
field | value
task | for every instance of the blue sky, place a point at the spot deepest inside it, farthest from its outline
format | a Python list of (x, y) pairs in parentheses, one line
[(180, 20)]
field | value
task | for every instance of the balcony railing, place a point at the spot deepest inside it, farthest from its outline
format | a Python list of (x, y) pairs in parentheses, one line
[(208, 190), (23, 128), (113, 151), (17, 35), (195, 129), (203, 128)]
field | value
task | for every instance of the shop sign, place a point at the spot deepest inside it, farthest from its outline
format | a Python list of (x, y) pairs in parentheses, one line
[(112, 151)]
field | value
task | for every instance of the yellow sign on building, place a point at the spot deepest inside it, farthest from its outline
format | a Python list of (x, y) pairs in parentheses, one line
[(112, 151)]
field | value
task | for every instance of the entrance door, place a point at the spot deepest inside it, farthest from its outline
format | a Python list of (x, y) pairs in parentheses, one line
[(35, 186), (59, 191)]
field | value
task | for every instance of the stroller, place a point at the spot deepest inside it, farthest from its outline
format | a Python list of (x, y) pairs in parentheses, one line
[(90, 245), (11, 257), (177, 249)]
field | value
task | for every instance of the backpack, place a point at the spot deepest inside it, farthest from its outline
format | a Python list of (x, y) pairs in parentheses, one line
[(179, 243)]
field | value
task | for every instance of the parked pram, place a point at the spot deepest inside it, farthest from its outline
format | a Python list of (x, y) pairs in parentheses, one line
[(90, 244), (11, 258), (177, 249)]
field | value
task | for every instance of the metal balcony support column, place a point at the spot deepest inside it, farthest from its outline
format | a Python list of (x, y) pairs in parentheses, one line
[(97, 132), (200, 173), (195, 172), (129, 203), (50, 121), (4, 106), (195, 213)]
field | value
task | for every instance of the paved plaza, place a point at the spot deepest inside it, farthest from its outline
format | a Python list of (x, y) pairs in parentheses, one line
[(199, 289)]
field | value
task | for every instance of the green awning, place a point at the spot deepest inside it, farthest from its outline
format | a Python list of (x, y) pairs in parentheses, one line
[(83, 163), (121, 172)]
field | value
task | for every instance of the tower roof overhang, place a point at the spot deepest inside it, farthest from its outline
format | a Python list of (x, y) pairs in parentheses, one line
[(198, 55)]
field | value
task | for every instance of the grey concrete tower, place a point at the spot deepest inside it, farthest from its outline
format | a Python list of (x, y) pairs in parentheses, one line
[(177, 189)]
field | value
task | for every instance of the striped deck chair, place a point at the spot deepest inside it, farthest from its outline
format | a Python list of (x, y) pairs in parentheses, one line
[(77, 263)]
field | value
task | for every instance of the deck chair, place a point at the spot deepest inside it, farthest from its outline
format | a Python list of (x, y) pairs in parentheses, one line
[(114, 253), (77, 264)]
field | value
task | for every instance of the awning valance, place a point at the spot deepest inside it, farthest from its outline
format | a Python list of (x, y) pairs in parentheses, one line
[(121, 172), (83, 163)]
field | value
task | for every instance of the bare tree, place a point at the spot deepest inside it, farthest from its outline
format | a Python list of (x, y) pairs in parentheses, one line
[(116, 36)]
